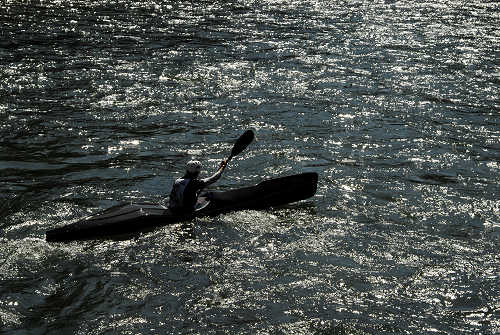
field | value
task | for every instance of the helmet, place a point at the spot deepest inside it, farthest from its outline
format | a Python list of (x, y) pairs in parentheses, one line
[(193, 167)]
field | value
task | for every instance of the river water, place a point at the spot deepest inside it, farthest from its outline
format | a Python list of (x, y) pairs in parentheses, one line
[(395, 104)]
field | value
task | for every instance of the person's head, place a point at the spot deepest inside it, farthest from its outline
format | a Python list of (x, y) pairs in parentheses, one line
[(193, 168)]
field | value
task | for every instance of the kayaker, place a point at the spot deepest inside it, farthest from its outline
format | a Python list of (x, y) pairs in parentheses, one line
[(186, 190)]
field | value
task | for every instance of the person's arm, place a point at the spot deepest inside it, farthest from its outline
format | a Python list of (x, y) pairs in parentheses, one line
[(216, 176)]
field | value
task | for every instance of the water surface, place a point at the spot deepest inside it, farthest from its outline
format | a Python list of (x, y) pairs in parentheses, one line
[(394, 103)]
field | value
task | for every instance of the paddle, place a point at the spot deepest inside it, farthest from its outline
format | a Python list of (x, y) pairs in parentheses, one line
[(241, 143)]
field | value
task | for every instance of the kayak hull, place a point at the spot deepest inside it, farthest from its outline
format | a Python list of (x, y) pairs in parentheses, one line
[(130, 218)]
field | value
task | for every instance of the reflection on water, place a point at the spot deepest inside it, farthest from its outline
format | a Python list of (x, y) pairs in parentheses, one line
[(394, 104)]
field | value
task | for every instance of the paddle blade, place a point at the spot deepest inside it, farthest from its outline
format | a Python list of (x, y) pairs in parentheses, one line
[(241, 143)]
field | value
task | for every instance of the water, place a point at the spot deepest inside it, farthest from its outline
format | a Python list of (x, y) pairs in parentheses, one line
[(394, 103)]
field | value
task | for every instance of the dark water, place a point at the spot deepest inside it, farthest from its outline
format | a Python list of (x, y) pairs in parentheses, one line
[(395, 104)]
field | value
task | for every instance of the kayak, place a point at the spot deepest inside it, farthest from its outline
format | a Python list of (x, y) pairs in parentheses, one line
[(132, 218)]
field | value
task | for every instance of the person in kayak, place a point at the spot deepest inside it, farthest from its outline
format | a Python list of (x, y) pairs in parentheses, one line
[(186, 190)]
